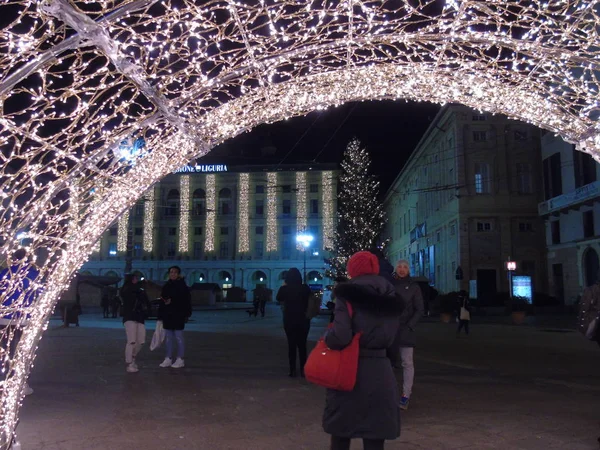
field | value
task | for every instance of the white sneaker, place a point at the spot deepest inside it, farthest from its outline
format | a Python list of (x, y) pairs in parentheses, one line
[(178, 364), (27, 390), (166, 363), (132, 368)]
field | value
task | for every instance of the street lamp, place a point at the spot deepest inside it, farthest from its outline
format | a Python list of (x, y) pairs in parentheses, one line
[(305, 240), (511, 266)]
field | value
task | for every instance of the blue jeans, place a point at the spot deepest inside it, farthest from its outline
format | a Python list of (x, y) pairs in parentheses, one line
[(175, 335)]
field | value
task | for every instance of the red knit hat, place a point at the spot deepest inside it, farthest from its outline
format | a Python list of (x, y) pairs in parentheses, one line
[(362, 263)]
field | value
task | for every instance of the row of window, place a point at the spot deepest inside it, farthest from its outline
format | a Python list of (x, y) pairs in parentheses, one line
[(589, 230), (584, 172)]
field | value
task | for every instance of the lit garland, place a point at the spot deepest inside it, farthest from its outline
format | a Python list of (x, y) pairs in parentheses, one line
[(211, 208), (243, 213), (328, 210), (184, 213), (301, 217), (187, 75), (149, 208), (122, 232), (272, 212)]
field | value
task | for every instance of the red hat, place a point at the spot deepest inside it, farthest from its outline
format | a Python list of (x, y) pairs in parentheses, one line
[(362, 263)]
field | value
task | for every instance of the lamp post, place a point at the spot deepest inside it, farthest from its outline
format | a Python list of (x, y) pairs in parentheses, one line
[(511, 266), (305, 240)]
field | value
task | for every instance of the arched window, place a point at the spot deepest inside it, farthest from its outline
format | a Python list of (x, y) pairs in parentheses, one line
[(172, 203), (225, 202), (199, 202)]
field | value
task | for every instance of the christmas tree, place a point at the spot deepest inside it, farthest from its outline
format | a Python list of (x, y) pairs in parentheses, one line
[(361, 216)]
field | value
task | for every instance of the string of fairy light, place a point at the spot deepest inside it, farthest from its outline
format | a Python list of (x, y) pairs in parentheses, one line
[(272, 234), (243, 213), (302, 218), (184, 214), (80, 78)]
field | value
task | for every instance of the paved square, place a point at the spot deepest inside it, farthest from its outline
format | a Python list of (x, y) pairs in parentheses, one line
[(504, 387)]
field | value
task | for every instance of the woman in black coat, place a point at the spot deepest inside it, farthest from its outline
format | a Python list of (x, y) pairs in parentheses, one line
[(294, 295), (174, 311), (135, 309), (371, 411)]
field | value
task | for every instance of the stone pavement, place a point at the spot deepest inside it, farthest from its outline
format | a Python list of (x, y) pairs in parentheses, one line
[(502, 388)]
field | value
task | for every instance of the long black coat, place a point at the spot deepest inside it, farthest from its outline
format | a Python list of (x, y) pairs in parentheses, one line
[(372, 409), (175, 314)]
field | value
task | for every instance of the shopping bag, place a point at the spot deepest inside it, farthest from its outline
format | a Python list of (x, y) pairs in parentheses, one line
[(464, 314), (158, 337), (334, 369)]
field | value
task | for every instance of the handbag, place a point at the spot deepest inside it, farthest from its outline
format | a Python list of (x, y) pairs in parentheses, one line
[(464, 313), (158, 337), (334, 369)]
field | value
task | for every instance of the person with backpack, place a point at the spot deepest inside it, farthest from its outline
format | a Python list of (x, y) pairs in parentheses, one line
[(136, 307), (294, 297)]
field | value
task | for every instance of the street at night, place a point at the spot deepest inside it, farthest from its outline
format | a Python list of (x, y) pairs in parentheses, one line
[(530, 387)]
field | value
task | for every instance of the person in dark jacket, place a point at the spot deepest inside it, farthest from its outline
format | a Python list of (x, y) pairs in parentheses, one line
[(406, 339), (463, 312), (135, 309), (372, 410), (174, 311), (293, 296)]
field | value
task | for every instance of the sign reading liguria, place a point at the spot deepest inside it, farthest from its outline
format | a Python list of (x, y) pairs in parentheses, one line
[(202, 168)]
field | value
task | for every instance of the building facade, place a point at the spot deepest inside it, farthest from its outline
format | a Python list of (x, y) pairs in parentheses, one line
[(571, 211), (235, 226), (466, 202)]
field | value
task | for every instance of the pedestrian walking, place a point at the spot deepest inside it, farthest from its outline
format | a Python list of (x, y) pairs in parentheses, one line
[(293, 296), (463, 313), (105, 303), (136, 307), (371, 410), (406, 339), (174, 311)]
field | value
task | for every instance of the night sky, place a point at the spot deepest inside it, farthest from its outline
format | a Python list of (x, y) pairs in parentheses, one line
[(389, 130)]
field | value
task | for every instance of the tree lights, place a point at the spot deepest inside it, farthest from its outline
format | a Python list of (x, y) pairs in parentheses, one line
[(79, 78), (361, 216)]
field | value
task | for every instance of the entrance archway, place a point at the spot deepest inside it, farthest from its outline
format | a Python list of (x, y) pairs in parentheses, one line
[(84, 85)]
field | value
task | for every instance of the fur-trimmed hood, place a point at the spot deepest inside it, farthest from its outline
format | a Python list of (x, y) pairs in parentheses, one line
[(371, 293)]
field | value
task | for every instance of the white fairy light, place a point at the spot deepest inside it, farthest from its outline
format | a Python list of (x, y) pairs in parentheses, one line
[(328, 209), (243, 213), (122, 232), (272, 235), (149, 208), (182, 77), (184, 213), (301, 217), (211, 207)]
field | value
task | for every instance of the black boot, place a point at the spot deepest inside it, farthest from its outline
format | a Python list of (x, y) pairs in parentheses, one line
[(292, 373)]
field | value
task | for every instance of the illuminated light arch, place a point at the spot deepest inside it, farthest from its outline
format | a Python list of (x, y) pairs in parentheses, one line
[(82, 82)]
